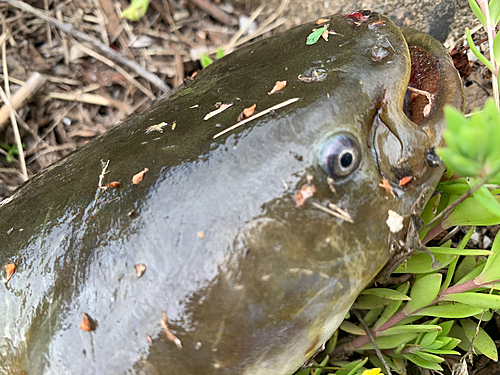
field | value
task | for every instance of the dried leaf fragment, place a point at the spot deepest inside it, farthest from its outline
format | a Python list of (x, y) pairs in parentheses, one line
[(170, 335), (305, 192), (201, 234), (137, 178), (319, 21), (158, 128), (220, 109), (376, 24), (113, 184), (247, 112), (325, 35), (387, 186), (139, 269), (278, 86), (10, 269), (85, 324), (405, 180)]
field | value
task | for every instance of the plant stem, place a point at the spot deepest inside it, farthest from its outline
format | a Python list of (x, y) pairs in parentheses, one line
[(483, 4)]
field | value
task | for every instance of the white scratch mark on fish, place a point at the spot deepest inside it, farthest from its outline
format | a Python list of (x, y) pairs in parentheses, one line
[(257, 115)]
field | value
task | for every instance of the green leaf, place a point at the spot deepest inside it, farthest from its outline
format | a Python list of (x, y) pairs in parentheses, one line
[(470, 212), (491, 271), (453, 265), (445, 326), (494, 12), (332, 342), (457, 251), (372, 315), (356, 368), (430, 208), (429, 357), (442, 351), (474, 49), (485, 315), (484, 197), (370, 302), (390, 342), (457, 162), (450, 311), (434, 345), (220, 53), (483, 343), (424, 291), (354, 365), (386, 293), (205, 60), (393, 307), (422, 362), (478, 12), (452, 344), (315, 35), (376, 362), (496, 48), (422, 263), (324, 362), (349, 327), (429, 339), (466, 265), (398, 330), (458, 333), (481, 300), (136, 10), (472, 274), (454, 187), (408, 320)]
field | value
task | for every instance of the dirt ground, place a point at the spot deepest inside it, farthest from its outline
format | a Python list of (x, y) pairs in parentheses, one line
[(79, 67)]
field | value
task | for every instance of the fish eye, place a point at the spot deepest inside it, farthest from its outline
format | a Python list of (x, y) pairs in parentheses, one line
[(339, 156)]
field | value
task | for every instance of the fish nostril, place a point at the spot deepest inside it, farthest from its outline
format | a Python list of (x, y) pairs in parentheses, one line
[(387, 148)]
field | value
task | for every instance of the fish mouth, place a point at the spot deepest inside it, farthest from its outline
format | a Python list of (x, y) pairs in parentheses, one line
[(406, 129)]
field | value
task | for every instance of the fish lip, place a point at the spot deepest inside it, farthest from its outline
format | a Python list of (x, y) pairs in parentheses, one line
[(433, 83)]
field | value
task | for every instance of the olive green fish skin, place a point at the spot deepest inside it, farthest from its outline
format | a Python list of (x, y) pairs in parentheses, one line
[(266, 282)]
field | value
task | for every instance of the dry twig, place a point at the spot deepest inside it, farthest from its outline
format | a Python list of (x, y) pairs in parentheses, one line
[(215, 12), (109, 52), (6, 98), (34, 83)]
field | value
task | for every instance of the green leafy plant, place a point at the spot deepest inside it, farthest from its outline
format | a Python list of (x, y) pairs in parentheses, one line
[(12, 151), (205, 60), (436, 312), (136, 10), (488, 13)]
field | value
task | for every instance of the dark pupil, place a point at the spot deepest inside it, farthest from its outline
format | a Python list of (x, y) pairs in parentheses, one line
[(346, 160)]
